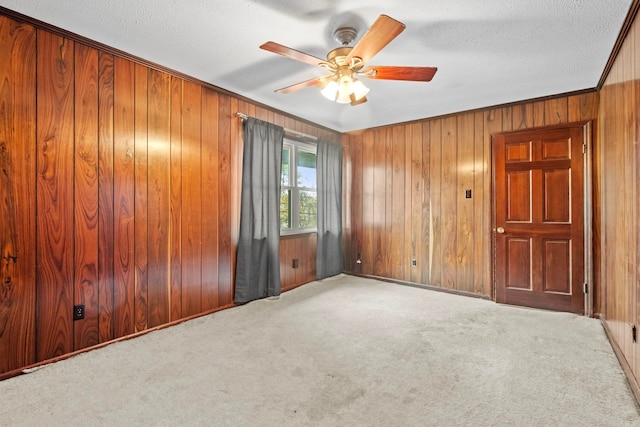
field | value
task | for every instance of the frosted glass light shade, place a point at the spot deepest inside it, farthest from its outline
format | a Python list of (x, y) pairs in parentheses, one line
[(359, 90), (330, 91)]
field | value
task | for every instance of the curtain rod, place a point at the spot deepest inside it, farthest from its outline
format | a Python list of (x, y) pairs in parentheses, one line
[(286, 131)]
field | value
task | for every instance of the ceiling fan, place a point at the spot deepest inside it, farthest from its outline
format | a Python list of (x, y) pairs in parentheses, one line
[(346, 63)]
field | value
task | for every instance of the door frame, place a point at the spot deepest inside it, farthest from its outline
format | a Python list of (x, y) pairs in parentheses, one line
[(587, 144)]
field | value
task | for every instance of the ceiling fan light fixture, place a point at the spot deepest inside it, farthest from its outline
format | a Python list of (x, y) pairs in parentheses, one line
[(346, 62), (344, 89)]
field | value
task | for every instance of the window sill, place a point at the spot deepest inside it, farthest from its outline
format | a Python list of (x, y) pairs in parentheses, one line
[(297, 234)]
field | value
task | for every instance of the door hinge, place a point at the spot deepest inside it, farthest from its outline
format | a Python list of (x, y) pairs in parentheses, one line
[(634, 333), (586, 288), (584, 148)]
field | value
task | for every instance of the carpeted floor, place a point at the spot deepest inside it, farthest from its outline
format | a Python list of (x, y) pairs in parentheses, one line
[(345, 351)]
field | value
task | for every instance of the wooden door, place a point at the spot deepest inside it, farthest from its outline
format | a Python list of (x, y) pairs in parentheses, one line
[(539, 218)]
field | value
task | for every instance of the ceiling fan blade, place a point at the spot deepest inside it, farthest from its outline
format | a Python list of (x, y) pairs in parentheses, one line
[(418, 74), (301, 85), (291, 53), (379, 35)]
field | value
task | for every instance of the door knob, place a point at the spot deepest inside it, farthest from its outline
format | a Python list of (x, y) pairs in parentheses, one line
[(500, 230)]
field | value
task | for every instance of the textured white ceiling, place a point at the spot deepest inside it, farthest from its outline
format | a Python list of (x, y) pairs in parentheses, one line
[(487, 52)]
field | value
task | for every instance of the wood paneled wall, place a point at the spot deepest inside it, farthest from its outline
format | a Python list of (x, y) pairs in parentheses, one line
[(619, 189), (405, 190), (301, 250), (119, 191)]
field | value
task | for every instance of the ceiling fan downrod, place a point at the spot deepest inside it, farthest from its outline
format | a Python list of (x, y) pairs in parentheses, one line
[(345, 35)]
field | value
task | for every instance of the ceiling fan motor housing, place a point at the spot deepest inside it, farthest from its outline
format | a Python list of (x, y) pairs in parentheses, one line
[(345, 35)]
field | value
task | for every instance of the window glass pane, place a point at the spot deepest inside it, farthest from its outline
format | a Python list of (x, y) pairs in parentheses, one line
[(308, 209), (306, 172), (298, 197), (286, 161), (285, 209)]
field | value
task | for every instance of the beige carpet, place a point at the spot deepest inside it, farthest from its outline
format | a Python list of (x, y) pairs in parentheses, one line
[(346, 351)]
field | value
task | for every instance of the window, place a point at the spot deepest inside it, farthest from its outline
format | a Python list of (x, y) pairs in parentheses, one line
[(298, 197)]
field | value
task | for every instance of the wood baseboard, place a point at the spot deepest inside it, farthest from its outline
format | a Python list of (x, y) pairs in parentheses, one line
[(420, 285), (631, 379), (35, 366)]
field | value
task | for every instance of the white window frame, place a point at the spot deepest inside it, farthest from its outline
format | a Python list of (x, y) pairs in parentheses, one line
[(295, 146)]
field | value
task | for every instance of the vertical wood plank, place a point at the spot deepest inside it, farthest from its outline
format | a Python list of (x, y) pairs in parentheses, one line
[(347, 194), (522, 116), (387, 231), (357, 214), (286, 254), (630, 136), (299, 253), (621, 227), (368, 203), (175, 221), (311, 257), (598, 209), (379, 198), (425, 234), (225, 286), (397, 218), (600, 166), (191, 200), (123, 196), (589, 103), (587, 106), (507, 125), (584, 107), (124, 262), (481, 210), (158, 197), (538, 114), (86, 290), (574, 107), (418, 194), (635, 155), (435, 207), (141, 197), (507, 119), (408, 252), (611, 170), (106, 195), (604, 123), (262, 113), (555, 111), (17, 194), (465, 207), (54, 249), (235, 172), (492, 126), (449, 202), (210, 200)]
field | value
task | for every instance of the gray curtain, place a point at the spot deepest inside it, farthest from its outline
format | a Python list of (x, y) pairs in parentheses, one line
[(329, 180), (258, 263)]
